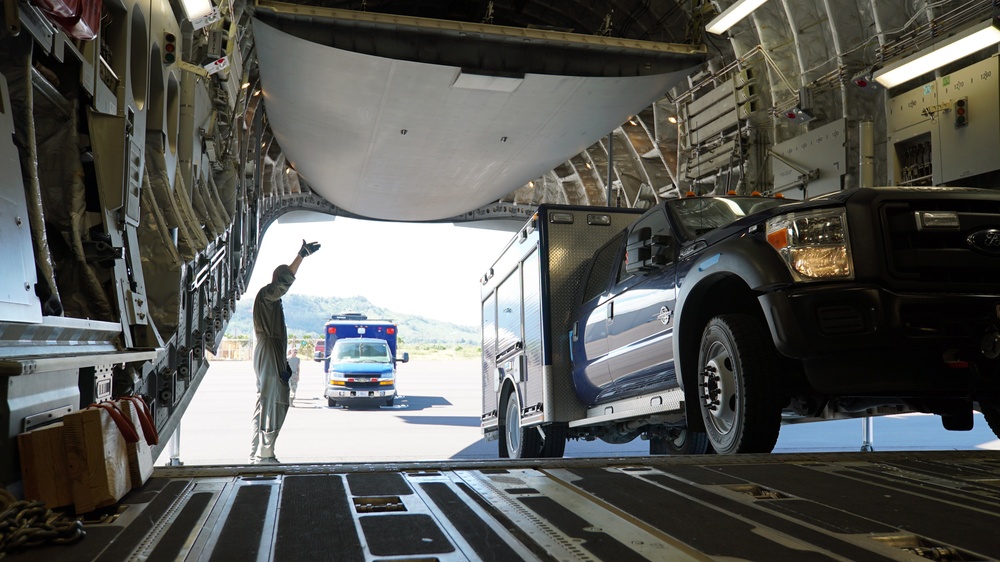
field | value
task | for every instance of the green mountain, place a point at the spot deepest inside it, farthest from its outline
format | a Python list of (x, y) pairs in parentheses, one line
[(305, 316)]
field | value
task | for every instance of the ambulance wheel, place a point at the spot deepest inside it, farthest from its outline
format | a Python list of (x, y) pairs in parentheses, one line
[(331, 402), (738, 388), (679, 442), (520, 442), (389, 401)]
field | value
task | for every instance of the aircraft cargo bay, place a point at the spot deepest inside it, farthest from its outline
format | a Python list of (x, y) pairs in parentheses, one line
[(858, 507)]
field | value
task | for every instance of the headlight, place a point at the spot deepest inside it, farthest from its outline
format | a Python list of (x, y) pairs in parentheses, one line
[(814, 245)]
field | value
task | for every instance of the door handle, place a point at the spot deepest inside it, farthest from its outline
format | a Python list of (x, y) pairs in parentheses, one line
[(611, 310)]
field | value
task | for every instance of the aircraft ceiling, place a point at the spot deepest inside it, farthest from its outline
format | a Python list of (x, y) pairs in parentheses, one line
[(369, 82), (410, 119)]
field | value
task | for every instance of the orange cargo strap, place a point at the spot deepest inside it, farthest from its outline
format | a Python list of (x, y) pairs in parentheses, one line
[(124, 424), (145, 418)]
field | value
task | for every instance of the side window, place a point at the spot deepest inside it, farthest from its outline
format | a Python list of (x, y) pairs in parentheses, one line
[(601, 268), (650, 240)]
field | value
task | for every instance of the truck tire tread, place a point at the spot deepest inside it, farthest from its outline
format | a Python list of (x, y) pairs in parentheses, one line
[(991, 413), (758, 418), (554, 442)]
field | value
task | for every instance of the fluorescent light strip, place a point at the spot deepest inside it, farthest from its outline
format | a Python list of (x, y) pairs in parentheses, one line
[(197, 9), (939, 55), (732, 15)]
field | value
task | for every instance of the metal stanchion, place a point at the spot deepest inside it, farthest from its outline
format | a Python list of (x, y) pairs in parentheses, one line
[(175, 447), (868, 434)]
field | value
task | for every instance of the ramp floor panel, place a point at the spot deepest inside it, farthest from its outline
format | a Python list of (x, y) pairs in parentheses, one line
[(240, 536), (856, 507)]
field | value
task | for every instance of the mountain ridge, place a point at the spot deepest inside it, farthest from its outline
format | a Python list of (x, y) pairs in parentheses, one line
[(305, 316)]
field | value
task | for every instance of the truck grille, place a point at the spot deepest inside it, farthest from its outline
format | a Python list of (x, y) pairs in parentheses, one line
[(941, 256), (359, 384)]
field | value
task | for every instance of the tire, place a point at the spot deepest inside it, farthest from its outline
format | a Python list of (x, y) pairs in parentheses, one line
[(991, 413), (554, 442), (685, 442), (331, 402), (389, 401), (520, 442), (738, 387)]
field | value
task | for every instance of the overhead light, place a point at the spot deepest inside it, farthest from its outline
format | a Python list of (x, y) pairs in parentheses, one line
[(197, 9), (974, 39), (672, 119), (732, 15)]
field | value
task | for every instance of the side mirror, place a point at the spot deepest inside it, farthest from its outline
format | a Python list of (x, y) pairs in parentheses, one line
[(406, 357), (646, 252)]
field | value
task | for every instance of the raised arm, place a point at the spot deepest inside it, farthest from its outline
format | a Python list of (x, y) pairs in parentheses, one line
[(307, 249)]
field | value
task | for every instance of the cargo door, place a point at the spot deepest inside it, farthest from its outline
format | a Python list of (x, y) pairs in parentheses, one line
[(641, 310)]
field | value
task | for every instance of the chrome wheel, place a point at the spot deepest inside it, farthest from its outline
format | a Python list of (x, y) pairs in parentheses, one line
[(521, 442), (513, 426), (720, 390)]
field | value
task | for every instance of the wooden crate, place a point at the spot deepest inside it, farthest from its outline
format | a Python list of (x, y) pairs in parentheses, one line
[(44, 468)]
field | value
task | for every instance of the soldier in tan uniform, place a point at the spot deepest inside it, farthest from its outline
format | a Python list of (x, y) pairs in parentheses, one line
[(269, 360)]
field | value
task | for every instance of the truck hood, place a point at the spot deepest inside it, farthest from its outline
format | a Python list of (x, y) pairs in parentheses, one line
[(835, 199), (361, 368)]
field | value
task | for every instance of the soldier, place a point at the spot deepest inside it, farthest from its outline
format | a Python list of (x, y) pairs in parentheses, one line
[(269, 360), (293, 363)]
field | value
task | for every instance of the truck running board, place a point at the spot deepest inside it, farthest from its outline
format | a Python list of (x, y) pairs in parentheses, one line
[(662, 403)]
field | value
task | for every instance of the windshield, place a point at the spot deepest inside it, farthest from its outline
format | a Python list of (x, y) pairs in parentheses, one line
[(361, 352), (699, 215)]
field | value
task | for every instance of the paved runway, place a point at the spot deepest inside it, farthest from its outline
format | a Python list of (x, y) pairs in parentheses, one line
[(437, 418)]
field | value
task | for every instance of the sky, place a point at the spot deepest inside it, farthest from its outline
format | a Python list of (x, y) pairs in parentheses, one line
[(430, 270)]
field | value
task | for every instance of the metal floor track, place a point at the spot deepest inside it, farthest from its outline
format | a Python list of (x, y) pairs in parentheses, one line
[(858, 507)]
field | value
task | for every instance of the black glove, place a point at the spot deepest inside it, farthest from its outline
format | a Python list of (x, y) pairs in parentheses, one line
[(286, 375), (308, 248)]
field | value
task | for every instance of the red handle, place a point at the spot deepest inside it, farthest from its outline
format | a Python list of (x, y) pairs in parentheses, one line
[(124, 424), (145, 418)]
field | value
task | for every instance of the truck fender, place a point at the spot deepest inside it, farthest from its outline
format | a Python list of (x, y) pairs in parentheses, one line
[(727, 277), (504, 380), (512, 368), (751, 259)]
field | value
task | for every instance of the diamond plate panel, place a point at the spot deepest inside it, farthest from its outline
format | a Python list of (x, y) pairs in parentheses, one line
[(568, 249)]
